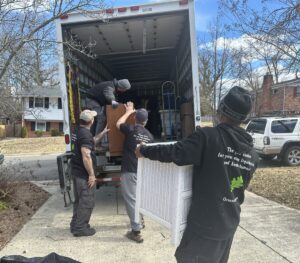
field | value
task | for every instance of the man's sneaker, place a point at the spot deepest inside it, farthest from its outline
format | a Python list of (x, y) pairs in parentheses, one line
[(85, 232), (135, 236)]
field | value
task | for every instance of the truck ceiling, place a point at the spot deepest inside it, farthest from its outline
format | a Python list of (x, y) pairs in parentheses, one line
[(137, 47)]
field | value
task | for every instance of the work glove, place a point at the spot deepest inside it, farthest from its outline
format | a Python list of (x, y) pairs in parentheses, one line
[(114, 104)]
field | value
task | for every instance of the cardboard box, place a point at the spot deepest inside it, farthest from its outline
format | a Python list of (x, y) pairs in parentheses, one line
[(115, 137), (187, 118)]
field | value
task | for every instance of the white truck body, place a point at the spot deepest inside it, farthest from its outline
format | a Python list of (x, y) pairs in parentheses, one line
[(152, 45), (147, 44)]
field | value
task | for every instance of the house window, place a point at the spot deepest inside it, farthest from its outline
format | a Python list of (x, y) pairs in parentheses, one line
[(40, 126), (38, 102), (59, 104)]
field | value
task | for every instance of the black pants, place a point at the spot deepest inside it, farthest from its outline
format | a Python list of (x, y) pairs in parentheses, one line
[(196, 249), (83, 204)]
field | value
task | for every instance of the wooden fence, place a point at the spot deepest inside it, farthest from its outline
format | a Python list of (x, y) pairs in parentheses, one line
[(10, 130)]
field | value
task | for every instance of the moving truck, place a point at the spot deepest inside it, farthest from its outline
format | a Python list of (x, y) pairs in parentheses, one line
[(154, 46)]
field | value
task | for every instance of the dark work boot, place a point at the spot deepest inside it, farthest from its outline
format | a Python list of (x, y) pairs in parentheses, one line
[(72, 228), (135, 236), (85, 232)]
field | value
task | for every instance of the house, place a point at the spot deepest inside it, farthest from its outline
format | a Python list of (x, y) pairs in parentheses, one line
[(42, 111), (277, 99)]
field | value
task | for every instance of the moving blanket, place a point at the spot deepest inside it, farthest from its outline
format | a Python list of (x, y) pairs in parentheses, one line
[(51, 258)]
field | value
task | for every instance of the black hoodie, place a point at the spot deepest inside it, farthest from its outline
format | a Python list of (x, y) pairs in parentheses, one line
[(224, 162), (103, 92)]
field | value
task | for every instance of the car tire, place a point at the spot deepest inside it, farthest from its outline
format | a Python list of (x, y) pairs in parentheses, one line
[(267, 157), (291, 156)]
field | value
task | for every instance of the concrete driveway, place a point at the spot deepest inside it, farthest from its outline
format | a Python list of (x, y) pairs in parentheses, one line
[(268, 233)]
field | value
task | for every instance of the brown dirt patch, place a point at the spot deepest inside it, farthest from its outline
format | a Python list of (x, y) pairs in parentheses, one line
[(41, 145), (279, 184), (22, 204)]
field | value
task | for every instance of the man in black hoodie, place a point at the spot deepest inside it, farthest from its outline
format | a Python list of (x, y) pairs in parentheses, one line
[(104, 94), (224, 161)]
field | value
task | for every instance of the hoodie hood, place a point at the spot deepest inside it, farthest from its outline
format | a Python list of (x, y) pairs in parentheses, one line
[(238, 136)]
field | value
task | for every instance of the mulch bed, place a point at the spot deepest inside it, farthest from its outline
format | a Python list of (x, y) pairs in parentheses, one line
[(22, 204), (279, 184)]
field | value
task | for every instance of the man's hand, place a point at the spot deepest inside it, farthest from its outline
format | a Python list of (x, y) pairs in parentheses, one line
[(138, 153), (99, 136), (105, 130), (91, 181), (88, 165), (129, 107)]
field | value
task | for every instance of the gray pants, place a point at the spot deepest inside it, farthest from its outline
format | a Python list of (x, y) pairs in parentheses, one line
[(83, 204), (128, 188), (101, 115)]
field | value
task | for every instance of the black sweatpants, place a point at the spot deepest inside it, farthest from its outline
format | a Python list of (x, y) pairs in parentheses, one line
[(196, 249), (83, 204)]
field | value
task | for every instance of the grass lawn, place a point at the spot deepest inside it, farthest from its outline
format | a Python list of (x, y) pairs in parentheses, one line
[(42, 145)]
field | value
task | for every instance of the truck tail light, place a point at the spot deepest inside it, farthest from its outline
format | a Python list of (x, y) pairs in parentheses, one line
[(109, 11), (67, 138), (122, 9), (266, 140), (183, 2), (134, 8), (65, 16)]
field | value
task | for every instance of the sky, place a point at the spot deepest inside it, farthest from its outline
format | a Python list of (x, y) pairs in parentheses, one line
[(206, 12)]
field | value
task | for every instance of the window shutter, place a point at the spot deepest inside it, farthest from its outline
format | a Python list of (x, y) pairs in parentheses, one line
[(46, 103), (296, 94), (33, 126), (31, 100), (59, 104), (61, 127), (48, 125)]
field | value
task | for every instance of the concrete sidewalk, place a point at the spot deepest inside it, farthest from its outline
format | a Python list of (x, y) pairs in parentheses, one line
[(268, 233)]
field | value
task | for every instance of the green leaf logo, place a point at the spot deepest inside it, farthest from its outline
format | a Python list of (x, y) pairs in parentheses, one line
[(236, 183)]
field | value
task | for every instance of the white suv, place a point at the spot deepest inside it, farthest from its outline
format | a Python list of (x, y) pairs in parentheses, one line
[(279, 137)]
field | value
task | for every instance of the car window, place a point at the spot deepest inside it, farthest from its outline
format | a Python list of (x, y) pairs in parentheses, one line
[(283, 126), (257, 126)]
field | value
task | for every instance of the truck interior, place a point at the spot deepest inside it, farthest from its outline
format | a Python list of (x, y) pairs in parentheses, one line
[(152, 51)]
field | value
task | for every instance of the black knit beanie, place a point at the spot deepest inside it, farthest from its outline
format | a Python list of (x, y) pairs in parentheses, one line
[(236, 104)]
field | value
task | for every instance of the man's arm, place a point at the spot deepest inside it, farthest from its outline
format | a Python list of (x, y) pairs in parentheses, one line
[(185, 152), (129, 110), (88, 165), (99, 136), (109, 95)]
